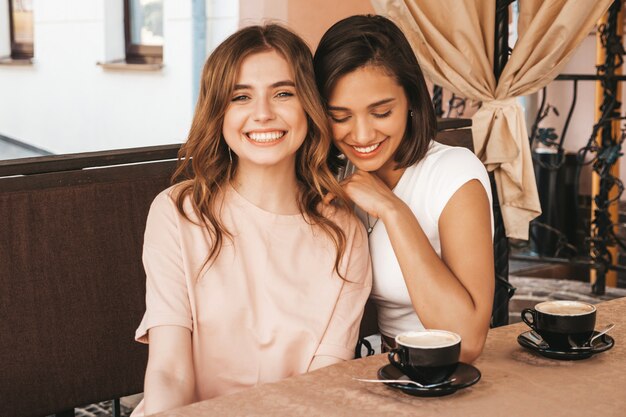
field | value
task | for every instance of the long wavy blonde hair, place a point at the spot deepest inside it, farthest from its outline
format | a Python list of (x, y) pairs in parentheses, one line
[(205, 165)]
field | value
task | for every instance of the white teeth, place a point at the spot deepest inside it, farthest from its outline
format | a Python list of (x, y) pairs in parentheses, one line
[(263, 137), (366, 149)]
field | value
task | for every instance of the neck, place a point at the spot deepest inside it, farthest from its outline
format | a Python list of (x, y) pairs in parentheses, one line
[(389, 175), (274, 189)]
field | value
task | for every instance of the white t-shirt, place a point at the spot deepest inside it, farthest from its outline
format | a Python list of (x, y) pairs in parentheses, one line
[(426, 188)]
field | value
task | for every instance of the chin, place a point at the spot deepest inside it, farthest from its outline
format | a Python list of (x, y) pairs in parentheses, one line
[(368, 166), (268, 161)]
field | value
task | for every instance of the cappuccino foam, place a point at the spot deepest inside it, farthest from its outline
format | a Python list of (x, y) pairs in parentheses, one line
[(428, 339), (565, 308)]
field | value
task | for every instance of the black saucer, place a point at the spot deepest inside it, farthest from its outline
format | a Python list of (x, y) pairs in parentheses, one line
[(601, 344), (464, 376)]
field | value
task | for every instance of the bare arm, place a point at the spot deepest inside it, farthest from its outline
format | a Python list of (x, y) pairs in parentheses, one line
[(454, 292), (169, 380)]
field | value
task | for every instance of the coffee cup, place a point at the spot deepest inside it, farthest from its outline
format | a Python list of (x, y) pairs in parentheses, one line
[(562, 324), (426, 356)]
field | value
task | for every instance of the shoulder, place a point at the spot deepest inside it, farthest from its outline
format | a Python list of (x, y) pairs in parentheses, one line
[(347, 220), (342, 216), (165, 205), (441, 173), (162, 215), (441, 154), (164, 201), (452, 163), (178, 197)]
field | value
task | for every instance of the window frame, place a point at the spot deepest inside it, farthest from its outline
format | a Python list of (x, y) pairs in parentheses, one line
[(19, 50), (137, 53)]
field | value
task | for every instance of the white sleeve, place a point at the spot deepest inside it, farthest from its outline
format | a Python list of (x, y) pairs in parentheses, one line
[(454, 168)]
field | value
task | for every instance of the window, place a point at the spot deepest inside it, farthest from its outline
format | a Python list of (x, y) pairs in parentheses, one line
[(21, 25), (143, 28)]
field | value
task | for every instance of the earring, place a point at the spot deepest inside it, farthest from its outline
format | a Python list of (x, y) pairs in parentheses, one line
[(230, 155), (410, 113)]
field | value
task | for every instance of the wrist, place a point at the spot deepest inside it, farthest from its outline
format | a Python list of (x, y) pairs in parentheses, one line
[(392, 209)]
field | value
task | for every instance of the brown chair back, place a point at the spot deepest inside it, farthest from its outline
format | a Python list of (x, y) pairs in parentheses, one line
[(72, 281)]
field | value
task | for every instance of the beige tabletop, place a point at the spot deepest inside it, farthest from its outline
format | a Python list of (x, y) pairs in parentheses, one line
[(515, 382)]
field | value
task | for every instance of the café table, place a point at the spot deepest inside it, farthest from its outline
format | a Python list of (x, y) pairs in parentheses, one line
[(514, 382)]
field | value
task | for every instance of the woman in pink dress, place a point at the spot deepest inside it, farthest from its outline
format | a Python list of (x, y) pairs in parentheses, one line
[(250, 277)]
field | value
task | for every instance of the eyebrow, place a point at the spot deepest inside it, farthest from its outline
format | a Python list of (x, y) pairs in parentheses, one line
[(284, 83), (371, 106)]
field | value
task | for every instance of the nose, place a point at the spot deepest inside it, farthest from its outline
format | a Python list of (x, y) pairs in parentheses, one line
[(263, 110), (363, 130)]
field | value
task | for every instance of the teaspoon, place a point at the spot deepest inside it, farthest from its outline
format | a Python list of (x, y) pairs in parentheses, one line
[(407, 382), (606, 329), (589, 344)]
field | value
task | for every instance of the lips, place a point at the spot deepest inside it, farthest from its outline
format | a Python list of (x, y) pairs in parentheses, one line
[(265, 138), (368, 151)]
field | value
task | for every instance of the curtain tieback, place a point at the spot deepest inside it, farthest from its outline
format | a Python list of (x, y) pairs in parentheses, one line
[(500, 104)]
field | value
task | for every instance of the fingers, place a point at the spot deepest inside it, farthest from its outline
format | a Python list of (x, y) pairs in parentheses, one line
[(355, 176)]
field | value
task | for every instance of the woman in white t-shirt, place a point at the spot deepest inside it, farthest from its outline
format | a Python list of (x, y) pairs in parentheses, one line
[(426, 206)]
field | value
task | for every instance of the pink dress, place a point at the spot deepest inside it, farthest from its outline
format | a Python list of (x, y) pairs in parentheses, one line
[(267, 305)]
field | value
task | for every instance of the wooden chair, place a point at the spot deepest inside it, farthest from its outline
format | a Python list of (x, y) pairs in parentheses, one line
[(72, 280)]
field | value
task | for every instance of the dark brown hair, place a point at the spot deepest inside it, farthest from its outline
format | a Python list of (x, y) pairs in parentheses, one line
[(369, 40), (204, 159)]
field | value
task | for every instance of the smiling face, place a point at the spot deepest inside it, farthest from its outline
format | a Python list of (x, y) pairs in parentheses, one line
[(368, 112), (264, 123)]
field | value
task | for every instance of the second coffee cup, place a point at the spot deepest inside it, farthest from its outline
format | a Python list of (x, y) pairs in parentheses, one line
[(562, 324), (427, 356)]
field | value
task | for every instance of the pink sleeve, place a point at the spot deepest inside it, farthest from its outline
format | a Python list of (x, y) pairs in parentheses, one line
[(341, 335), (167, 296)]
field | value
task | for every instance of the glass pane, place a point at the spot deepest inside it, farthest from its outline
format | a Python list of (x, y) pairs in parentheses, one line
[(23, 21), (146, 22)]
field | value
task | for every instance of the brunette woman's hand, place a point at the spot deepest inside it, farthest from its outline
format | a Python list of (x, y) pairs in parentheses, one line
[(369, 192), (328, 198)]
